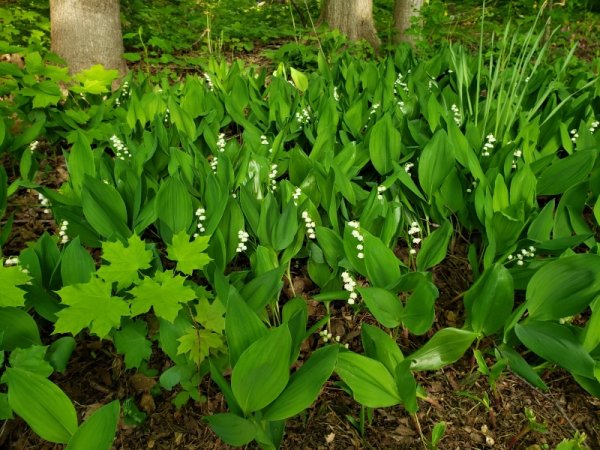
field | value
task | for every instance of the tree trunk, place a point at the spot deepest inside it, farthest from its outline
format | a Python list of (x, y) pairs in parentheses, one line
[(87, 32), (354, 18), (404, 13)]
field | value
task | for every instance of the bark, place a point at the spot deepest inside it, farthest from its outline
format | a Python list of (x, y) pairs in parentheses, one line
[(87, 32), (404, 13), (354, 18)]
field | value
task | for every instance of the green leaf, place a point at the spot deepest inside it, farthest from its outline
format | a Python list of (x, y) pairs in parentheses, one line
[(382, 266), (371, 383), (263, 289), (190, 256), (566, 172), (434, 248), (233, 430), (490, 300), (445, 347), (262, 372), (96, 79), (242, 327), (419, 312), (89, 305), (131, 340), (407, 386), (18, 329), (563, 287), (10, 278), (519, 366), (385, 306), (31, 359), (104, 208), (380, 346), (556, 343), (60, 352), (124, 262), (97, 432), (76, 264), (385, 145), (173, 208), (285, 228), (299, 79), (165, 293), (40, 403), (435, 162), (304, 386), (197, 344), (210, 315)]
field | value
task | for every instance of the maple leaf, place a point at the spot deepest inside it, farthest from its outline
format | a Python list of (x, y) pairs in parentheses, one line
[(198, 344), (10, 278), (210, 315), (131, 341), (164, 293), (189, 255), (125, 262), (90, 305)]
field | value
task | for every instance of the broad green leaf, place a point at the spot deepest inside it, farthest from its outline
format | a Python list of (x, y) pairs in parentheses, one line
[(285, 228), (76, 264), (131, 341), (190, 256), (262, 372), (519, 366), (436, 160), (304, 386), (165, 293), (97, 432), (60, 352), (385, 306), (90, 305), (566, 172), (125, 263), (40, 403), (18, 329), (299, 79), (31, 359), (104, 208), (182, 120), (371, 383), (445, 347), (556, 343), (380, 346), (419, 312), (385, 145), (80, 161), (489, 302), (434, 247), (210, 315), (263, 289), (407, 386), (173, 207), (563, 287), (233, 430), (382, 266), (242, 327), (10, 278)]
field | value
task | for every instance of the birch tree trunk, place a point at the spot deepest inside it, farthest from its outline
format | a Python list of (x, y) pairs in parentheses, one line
[(87, 32), (404, 13), (354, 18)]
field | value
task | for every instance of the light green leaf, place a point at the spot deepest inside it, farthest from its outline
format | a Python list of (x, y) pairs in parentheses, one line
[(96, 79), (434, 248), (190, 256), (97, 432), (371, 383), (131, 340), (262, 372), (89, 305), (304, 386), (380, 346), (210, 315), (197, 343), (124, 262), (10, 278), (445, 347), (382, 266), (31, 359), (385, 306), (165, 293), (40, 403), (563, 287), (233, 430), (299, 79)]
